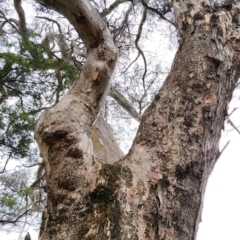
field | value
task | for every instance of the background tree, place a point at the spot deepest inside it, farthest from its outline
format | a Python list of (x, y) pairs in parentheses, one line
[(161, 181)]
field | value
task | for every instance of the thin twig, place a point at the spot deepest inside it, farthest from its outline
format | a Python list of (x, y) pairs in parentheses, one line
[(220, 153), (131, 63), (37, 181), (229, 121), (113, 6), (10, 155), (144, 17), (158, 12), (232, 112)]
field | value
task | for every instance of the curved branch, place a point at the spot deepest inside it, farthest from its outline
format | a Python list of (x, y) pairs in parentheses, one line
[(101, 52), (10, 21), (21, 16), (125, 104), (113, 6), (144, 17), (77, 50), (123, 24), (159, 13), (86, 20), (61, 42), (59, 38)]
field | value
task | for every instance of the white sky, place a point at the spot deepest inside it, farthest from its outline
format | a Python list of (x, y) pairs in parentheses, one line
[(220, 218)]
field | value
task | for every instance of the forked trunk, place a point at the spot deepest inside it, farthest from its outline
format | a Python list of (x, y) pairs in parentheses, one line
[(156, 191)]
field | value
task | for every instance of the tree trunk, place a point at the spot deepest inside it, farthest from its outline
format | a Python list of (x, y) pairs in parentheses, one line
[(157, 190)]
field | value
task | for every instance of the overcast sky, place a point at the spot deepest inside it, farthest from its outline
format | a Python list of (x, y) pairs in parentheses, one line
[(220, 218)]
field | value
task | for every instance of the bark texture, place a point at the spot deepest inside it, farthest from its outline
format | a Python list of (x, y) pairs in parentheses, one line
[(156, 191), (64, 132)]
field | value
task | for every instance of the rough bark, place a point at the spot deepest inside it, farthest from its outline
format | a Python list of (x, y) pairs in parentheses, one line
[(64, 132), (156, 191)]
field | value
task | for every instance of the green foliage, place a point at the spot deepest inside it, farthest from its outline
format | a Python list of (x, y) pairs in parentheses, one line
[(33, 77), (18, 199), (8, 201), (28, 84)]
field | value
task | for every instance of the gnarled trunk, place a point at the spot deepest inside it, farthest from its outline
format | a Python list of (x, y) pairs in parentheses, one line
[(156, 191)]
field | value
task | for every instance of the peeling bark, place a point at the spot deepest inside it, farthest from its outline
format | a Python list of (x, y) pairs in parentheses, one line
[(156, 191)]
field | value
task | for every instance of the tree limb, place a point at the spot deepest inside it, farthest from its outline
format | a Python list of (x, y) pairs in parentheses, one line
[(21, 16), (125, 104), (144, 17), (159, 13), (10, 21), (92, 30), (78, 51), (59, 38), (113, 6)]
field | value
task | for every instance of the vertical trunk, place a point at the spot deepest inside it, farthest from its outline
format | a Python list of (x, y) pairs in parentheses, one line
[(176, 146), (156, 191)]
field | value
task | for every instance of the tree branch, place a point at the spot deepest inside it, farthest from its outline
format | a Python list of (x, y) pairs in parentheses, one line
[(120, 31), (10, 21), (5, 165), (78, 51), (229, 121), (101, 52), (159, 13), (125, 104), (21, 16), (113, 6), (144, 17), (220, 153), (61, 42), (92, 30), (59, 38)]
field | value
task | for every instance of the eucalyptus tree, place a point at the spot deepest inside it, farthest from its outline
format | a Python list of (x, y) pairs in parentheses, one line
[(41, 55), (156, 191)]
